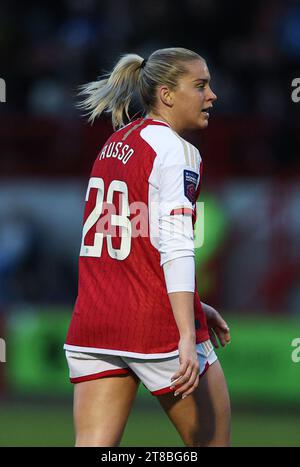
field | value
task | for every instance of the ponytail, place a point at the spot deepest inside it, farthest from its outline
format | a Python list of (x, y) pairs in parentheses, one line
[(113, 93)]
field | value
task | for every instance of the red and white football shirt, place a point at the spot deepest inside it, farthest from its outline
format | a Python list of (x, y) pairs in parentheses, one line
[(143, 187)]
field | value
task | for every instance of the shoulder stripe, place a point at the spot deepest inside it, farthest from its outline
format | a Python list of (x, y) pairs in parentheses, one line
[(194, 157), (185, 147), (134, 127), (190, 153), (186, 151)]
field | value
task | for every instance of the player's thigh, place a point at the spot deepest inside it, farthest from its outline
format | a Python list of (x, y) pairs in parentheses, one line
[(203, 417), (101, 409), (105, 388)]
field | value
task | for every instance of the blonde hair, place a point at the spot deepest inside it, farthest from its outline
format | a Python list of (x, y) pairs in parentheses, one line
[(113, 92)]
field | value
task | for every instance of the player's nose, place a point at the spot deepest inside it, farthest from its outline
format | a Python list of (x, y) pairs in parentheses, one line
[(211, 96)]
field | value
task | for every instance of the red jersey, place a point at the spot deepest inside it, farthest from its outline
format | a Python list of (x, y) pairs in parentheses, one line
[(144, 175)]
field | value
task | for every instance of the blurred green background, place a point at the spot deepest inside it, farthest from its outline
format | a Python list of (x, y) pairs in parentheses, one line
[(263, 380)]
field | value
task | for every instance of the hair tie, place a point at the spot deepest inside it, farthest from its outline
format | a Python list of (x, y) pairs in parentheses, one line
[(144, 62)]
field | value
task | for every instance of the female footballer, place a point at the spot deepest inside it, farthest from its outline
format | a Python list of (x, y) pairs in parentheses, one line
[(138, 316)]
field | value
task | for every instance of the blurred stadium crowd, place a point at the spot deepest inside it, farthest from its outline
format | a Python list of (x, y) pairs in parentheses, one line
[(250, 151), (47, 47)]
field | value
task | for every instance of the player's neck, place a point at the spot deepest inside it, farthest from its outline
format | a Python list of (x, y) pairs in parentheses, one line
[(166, 119)]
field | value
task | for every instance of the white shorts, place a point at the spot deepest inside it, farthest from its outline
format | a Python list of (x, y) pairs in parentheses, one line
[(155, 374)]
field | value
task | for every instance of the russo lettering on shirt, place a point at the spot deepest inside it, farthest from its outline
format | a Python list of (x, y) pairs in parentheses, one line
[(116, 150)]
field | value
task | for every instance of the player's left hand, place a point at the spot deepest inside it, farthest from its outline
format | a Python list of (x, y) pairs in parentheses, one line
[(217, 326)]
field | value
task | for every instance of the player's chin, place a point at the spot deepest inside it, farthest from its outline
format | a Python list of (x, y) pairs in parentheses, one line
[(202, 122), (199, 123)]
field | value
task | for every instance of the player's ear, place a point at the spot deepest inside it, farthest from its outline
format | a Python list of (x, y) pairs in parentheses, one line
[(166, 96)]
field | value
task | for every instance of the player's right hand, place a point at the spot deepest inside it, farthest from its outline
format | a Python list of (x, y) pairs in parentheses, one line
[(186, 379)]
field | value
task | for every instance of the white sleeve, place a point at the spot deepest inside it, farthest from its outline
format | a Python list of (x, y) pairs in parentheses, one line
[(176, 237), (178, 183), (173, 186), (180, 274)]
